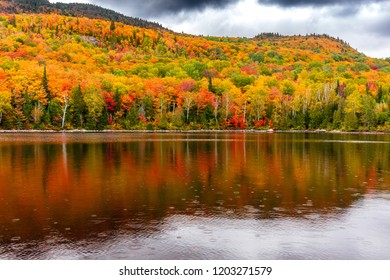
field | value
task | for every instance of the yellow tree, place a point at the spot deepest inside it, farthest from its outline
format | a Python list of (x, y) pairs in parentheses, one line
[(354, 106), (5, 103), (94, 102), (257, 96)]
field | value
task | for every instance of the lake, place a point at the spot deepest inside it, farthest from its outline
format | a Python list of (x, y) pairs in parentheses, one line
[(194, 196)]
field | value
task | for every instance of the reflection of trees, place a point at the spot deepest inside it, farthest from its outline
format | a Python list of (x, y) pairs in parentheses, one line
[(83, 189)]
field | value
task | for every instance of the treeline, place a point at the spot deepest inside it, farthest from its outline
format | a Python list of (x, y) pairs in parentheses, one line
[(169, 103), (267, 35)]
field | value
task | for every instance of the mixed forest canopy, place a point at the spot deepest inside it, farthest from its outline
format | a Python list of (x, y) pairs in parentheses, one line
[(62, 70)]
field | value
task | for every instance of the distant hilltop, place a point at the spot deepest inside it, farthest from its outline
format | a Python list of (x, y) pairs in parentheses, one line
[(72, 9)]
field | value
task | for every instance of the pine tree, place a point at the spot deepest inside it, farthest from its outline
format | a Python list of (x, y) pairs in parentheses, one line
[(78, 106), (117, 99), (45, 84), (112, 26), (379, 98)]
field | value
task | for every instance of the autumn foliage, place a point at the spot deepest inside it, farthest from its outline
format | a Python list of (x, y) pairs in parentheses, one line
[(61, 72)]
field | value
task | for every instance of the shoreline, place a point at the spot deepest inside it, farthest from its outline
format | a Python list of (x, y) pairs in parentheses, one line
[(36, 131)]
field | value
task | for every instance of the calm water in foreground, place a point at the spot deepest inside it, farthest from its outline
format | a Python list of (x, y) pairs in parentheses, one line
[(194, 196)]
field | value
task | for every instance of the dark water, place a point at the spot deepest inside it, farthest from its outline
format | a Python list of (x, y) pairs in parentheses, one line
[(194, 196)]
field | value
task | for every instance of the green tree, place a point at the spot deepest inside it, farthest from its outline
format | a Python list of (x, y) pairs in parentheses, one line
[(146, 108), (316, 115), (55, 111), (338, 116), (132, 118), (369, 117), (28, 105), (118, 100), (112, 25), (45, 84), (195, 69), (380, 96), (78, 106), (288, 88), (257, 57), (242, 81)]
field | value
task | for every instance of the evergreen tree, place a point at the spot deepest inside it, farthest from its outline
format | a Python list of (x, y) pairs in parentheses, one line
[(117, 99), (112, 25), (78, 106), (45, 84), (132, 118), (379, 97), (27, 106)]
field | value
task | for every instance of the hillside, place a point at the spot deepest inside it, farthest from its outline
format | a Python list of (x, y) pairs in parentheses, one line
[(72, 9), (68, 72)]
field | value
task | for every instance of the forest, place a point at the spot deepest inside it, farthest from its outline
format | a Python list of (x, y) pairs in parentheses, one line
[(60, 72)]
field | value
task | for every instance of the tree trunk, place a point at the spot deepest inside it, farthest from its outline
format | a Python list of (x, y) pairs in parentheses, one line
[(227, 105), (64, 112), (81, 120), (63, 116), (245, 113), (216, 109)]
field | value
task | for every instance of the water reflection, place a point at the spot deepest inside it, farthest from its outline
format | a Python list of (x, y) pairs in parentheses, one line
[(191, 195)]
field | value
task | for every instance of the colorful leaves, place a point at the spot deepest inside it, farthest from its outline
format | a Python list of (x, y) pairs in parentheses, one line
[(123, 74)]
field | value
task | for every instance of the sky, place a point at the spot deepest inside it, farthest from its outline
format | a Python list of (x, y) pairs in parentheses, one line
[(365, 24)]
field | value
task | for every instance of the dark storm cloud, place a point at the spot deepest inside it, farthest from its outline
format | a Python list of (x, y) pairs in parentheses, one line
[(345, 11), (159, 7), (317, 3), (381, 26)]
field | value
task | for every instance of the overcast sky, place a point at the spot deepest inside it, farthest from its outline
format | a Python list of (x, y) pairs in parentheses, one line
[(365, 24)]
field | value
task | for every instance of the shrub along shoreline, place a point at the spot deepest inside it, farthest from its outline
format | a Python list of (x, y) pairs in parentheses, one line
[(270, 131)]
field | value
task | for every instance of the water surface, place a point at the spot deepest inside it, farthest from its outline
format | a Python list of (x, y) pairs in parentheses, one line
[(194, 196)]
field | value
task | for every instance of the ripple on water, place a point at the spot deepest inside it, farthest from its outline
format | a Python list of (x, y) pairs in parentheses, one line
[(221, 216)]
